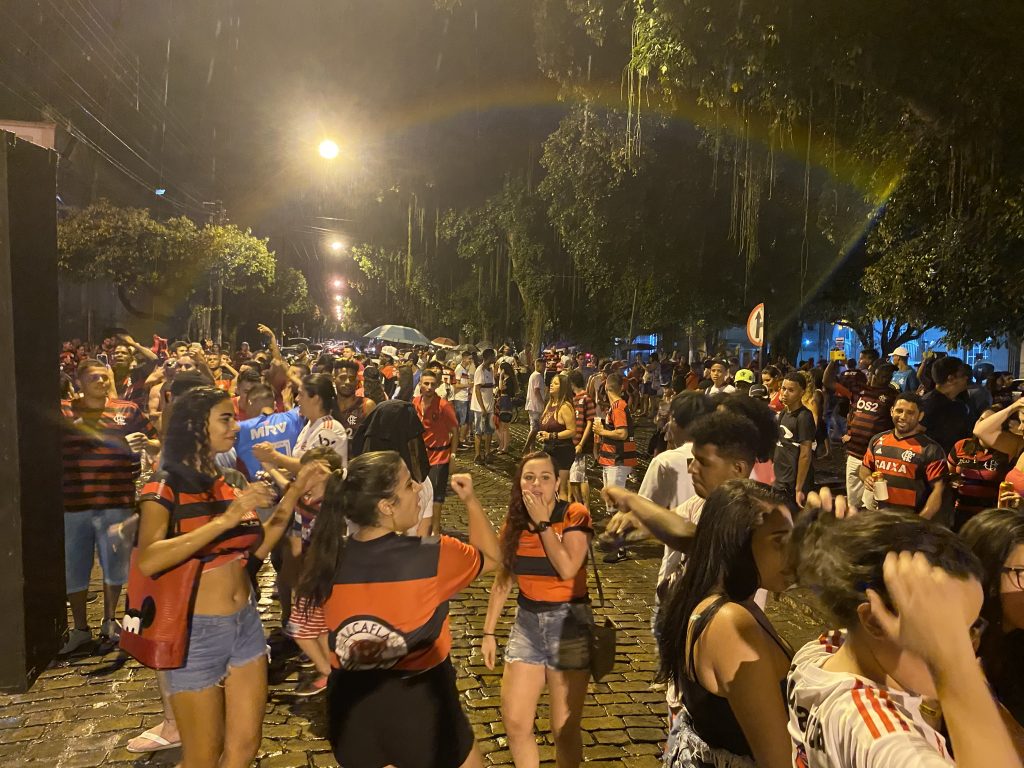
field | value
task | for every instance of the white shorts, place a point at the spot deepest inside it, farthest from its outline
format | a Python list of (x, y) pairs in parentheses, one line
[(578, 470), (855, 495)]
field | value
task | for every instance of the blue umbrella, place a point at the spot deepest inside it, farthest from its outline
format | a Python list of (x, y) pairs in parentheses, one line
[(398, 334)]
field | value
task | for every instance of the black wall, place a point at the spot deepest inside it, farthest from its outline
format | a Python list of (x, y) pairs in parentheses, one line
[(31, 518)]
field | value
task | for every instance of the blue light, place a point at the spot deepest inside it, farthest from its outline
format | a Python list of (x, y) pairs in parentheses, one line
[(160, 191), (807, 342)]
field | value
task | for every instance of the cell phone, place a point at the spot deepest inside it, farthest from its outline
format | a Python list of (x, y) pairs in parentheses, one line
[(102, 357)]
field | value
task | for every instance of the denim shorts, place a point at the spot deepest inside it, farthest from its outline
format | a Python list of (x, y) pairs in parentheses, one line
[(483, 423), (461, 411), (578, 470), (216, 644), (558, 639), (85, 533)]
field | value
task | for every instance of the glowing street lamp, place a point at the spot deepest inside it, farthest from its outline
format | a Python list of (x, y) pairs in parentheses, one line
[(337, 282), (337, 245), (337, 298), (328, 149)]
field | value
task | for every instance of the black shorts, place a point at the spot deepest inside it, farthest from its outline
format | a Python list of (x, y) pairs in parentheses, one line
[(562, 452), (438, 475), (382, 718)]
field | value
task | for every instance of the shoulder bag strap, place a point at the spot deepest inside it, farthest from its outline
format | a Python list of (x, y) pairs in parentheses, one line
[(597, 576)]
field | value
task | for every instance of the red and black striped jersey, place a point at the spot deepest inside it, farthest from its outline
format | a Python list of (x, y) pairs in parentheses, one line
[(618, 453), (100, 470), (977, 471), (388, 608), (910, 466), (193, 500), (583, 405), (540, 586), (869, 414)]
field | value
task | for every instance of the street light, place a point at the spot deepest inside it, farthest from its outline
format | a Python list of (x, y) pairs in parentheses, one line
[(337, 245), (328, 149), (337, 282), (337, 298)]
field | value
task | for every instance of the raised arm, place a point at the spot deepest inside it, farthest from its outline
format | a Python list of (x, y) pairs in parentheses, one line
[(481, 532), (991, 433), (664, 524)]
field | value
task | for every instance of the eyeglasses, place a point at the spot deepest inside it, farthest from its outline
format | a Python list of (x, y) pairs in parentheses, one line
[(1016, 575)]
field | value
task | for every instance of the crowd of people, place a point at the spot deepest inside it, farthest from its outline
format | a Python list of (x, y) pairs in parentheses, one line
[(187, 467)]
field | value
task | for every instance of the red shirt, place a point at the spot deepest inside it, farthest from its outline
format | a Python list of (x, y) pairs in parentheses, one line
[(979, 471), (540, 586), (438, 422)]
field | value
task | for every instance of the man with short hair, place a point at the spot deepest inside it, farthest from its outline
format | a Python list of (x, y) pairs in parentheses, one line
[(264, 424), (870, 413), (352, 408), (867, 358), (441, 435), (462, 385), (904, 378), (794, 451), (719, 374), (103, 439), (536, 399), (616, 447), (911, 463), (483, 407), (247, 379), (944, 414)]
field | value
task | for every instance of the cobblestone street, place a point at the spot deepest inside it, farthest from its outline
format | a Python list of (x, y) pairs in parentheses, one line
[(81, 713)]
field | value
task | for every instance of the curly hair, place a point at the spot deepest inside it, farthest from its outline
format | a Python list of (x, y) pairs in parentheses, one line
[(187, 435), (517, 520)]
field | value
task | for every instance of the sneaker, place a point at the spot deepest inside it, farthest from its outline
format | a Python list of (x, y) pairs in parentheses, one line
[(312, 686), (76, 639), (304, 661), (111, 630), (617, 556)]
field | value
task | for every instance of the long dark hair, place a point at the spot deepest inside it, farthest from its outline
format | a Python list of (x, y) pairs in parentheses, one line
[(992, 535), (518, 519), (351, 495), (721, 559), (186, 438), (564, 392), (322, 385), (511, 385)]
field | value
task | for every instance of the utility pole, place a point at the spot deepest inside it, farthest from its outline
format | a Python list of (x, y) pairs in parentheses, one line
[(218, 216)]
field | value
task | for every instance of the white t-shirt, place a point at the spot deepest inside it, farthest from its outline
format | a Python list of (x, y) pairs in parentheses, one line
[(483, 376), (324, 432), (728, 389), (668, 483), (840, 720), (463, 376), (536, 392)]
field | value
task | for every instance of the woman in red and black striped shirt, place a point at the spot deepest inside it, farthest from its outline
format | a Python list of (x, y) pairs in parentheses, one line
[(189, 511), (544, 545)]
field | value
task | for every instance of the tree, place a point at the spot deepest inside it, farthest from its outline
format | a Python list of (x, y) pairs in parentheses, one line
[(236, 262), (141, 257)]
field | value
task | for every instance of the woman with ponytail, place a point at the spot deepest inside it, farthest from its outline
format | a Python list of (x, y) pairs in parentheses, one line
[(717, 646), (544, 544), (318, 404), (392, 698)]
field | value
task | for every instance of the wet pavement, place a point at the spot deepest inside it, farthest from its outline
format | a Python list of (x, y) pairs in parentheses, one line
[(82, 712)]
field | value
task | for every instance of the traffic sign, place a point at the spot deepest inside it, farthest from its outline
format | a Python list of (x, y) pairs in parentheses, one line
[(755, 326)]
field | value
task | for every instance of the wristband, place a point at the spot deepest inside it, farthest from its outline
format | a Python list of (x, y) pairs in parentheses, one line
[(488, 634)]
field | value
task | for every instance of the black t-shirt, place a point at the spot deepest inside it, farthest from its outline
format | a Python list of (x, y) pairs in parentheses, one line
[(794, 428), (947, 421)]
